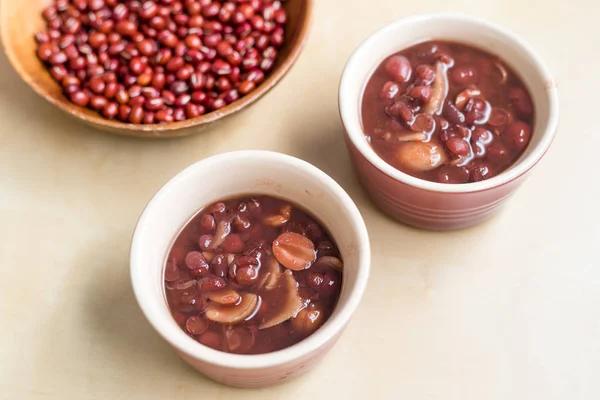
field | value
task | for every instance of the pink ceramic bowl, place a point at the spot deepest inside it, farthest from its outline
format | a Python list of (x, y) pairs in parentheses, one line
[(239, 173), (434, 205)]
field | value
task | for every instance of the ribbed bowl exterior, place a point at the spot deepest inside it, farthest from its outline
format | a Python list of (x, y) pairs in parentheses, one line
[(261, 377), (425, 208)]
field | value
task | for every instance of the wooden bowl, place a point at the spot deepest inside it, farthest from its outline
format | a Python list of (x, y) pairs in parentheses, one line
[(20, 21)]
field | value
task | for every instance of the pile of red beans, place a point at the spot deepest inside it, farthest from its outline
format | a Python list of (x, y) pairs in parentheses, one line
[(160, 61)]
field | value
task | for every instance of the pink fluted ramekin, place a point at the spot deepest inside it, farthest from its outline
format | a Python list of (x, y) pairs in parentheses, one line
[(433, 205), (243, 173)]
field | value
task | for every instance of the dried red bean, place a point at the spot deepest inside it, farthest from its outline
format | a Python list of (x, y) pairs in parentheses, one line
[(209, 83), (45, 51), (164, 116), (216, 104), (168, 96), (124, 112), (198, 97), (208, 53), (58, 58), (192, 110), (184, 73), (231, 96), (137, 101), (110, 110), (178, 87), (150, 93), (223, 84), (137, 114), (149, 117), (163, 56), (234, 58), (98, 102), (224, 48), (97, 85), (154, 104), (70, 80), (80, 98), (174, 64), (196, 81), (246, 87), (122, 96), (182, 100), (193, 56), (203, 67), (49, 13), (234, 75), (256, 76)]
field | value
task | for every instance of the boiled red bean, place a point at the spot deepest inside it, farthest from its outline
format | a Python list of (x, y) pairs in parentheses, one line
[(401, 111), (399, 68), (389, 90), (421, 94), (519, 134), (464, 75), (458, 147)]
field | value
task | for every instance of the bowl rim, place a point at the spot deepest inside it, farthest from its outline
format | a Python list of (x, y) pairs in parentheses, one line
[(349, 111), (169, 129), (323, 335)]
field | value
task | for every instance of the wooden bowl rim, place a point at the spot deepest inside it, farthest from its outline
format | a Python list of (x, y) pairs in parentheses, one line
[(171, 128)]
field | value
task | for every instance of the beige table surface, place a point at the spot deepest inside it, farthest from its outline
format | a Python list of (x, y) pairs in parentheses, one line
[(506, 310)]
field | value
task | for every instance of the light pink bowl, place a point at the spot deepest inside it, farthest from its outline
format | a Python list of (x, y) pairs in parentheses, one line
[(434, 205), (239, 173)]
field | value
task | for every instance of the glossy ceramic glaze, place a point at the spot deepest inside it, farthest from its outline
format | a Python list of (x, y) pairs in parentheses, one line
[(20, 20), (433, 205), (233, 174)]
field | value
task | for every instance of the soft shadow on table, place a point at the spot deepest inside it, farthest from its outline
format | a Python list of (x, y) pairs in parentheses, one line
[(122, 339), (119, 333)]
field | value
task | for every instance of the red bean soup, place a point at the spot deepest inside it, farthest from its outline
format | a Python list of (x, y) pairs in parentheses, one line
[(160, 61), (447, 112), (252, 275)]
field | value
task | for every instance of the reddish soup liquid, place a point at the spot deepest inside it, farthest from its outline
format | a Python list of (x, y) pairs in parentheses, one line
[(447, 112), (252, 275)]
